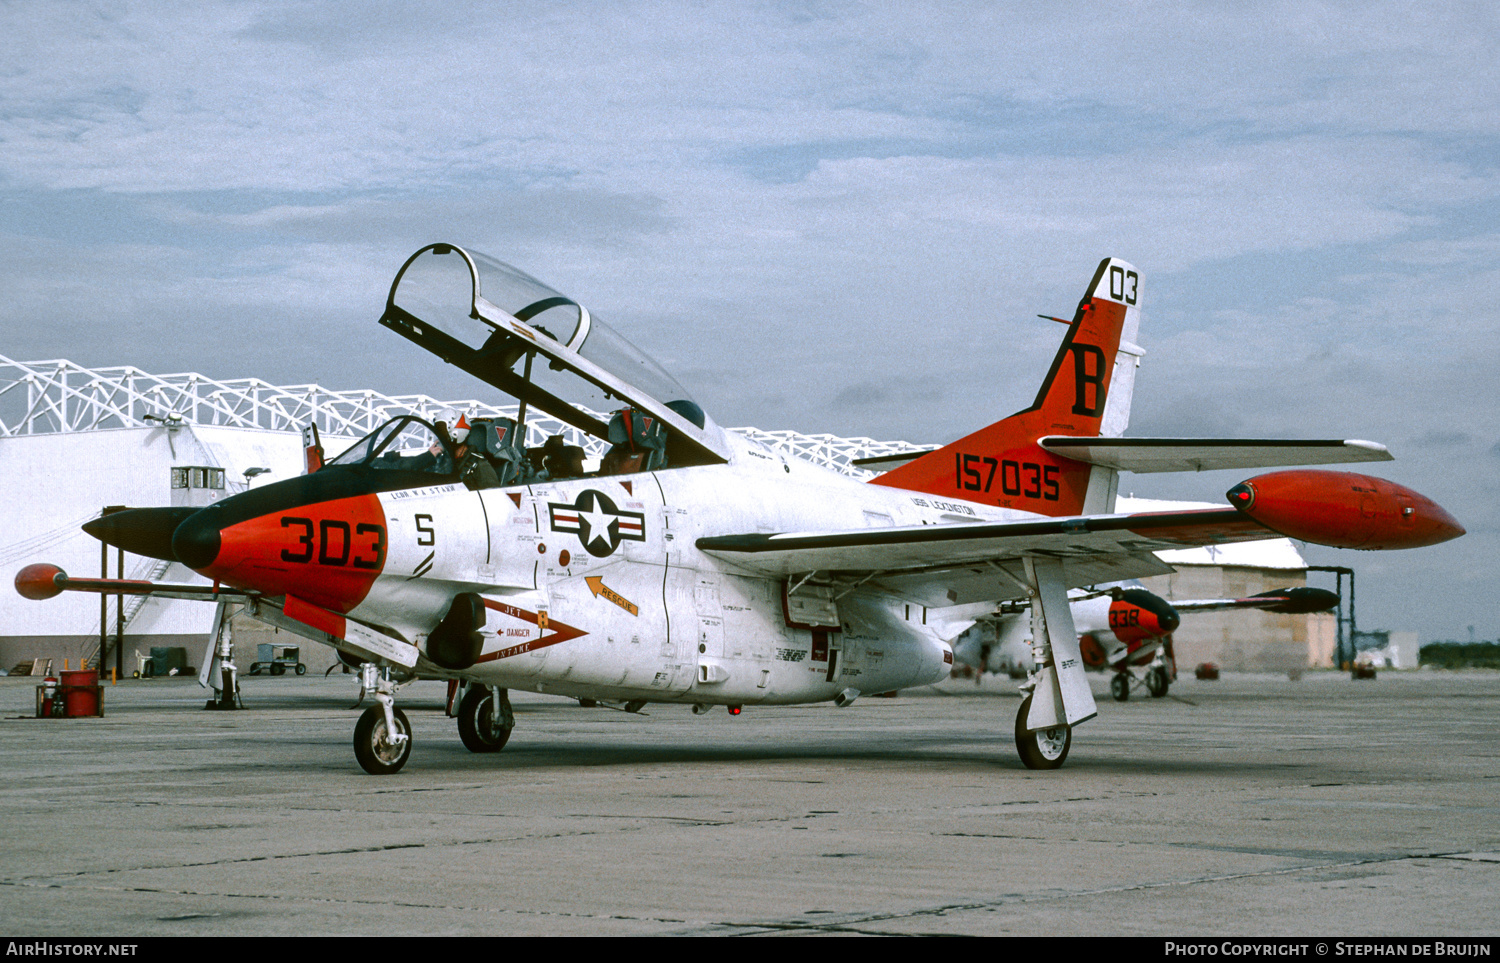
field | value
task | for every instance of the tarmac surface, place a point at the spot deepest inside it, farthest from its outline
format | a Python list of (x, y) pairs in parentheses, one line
[(1249, 806)]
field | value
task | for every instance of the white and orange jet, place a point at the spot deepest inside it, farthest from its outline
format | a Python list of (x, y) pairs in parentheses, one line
[(694, 566), (1121, 628)]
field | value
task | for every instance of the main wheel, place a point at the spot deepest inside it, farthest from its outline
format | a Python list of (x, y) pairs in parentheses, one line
[(1119, 687), (1045, 748), (372, 746), (1157, 682), (476, 726)]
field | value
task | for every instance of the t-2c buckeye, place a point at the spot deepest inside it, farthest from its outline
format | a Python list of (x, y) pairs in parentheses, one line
[(693, 565)]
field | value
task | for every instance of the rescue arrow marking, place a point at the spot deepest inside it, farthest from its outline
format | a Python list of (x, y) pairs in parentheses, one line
[(597, 586)]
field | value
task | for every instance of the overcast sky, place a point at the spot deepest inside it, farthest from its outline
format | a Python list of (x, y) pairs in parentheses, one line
[(824, 216)]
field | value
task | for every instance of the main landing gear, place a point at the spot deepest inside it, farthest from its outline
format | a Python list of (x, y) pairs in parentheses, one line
[(1158, 680), (1045, 748), (485, 718)]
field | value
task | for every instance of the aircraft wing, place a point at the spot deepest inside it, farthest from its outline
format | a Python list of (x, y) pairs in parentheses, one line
[(938, 565), (1143, 455)]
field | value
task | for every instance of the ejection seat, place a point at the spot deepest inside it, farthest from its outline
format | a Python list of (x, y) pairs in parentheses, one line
[(638, 443), (556, 459), (494, 460)]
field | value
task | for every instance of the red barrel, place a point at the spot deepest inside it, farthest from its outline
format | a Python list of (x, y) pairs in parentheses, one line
[(80, 693)]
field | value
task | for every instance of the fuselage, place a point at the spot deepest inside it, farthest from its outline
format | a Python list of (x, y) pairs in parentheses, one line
[(593, 587)]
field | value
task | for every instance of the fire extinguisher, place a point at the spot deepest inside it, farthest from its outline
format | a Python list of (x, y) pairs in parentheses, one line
[(51, 704)]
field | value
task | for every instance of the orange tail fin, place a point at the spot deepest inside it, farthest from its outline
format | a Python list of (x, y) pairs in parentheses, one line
[(1087, 392)]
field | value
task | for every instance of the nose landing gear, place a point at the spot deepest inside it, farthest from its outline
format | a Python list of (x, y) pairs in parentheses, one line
[(382, 737)]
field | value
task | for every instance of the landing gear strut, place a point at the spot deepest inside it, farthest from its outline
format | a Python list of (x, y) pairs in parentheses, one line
[(219, 671), (382, 737)]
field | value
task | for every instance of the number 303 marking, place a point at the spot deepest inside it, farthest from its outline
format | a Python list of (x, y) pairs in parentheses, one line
[(333, 544)]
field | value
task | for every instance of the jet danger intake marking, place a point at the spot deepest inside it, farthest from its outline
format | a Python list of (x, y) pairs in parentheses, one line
[(599, 525), (517, 624)]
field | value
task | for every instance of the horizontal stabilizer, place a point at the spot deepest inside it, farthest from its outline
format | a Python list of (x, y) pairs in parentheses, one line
[(1144, 455), (888, 462)]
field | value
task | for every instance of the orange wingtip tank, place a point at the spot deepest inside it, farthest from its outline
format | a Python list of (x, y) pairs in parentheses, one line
[(40, 581), (1344, 510)]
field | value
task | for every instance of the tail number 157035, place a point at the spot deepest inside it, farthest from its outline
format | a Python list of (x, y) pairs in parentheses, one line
[(976, 473)]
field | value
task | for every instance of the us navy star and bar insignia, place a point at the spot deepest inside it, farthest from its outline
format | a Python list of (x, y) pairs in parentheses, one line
[(599, 525)]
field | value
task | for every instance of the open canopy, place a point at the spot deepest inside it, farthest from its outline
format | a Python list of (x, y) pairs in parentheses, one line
[(493, 320)]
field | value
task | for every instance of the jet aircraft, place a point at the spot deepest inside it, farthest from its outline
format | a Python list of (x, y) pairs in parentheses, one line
[(1121, 627), (692, 565)]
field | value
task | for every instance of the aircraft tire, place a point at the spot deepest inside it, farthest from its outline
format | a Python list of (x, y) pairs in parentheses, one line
[(1119, 687), (1157, 683), (1044, 749), (475, 726), (377, 756)]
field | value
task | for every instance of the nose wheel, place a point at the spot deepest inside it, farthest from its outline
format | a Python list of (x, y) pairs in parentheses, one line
[(382, 747), (382, 737)]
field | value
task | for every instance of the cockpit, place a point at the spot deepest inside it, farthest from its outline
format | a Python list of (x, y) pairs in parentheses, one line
[(485, 452), (407, 443), (555, 358)]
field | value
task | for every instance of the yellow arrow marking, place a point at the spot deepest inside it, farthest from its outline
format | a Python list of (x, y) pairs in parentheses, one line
[(597, 586)]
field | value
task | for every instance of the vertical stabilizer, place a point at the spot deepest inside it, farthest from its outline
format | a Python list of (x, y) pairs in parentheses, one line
[(1087, 392)]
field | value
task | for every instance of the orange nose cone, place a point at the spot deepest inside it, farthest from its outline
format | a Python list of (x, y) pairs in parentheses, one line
[(1344, 509)]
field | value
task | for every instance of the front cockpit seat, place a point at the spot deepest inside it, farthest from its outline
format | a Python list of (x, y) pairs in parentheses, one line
[(638, 443)]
